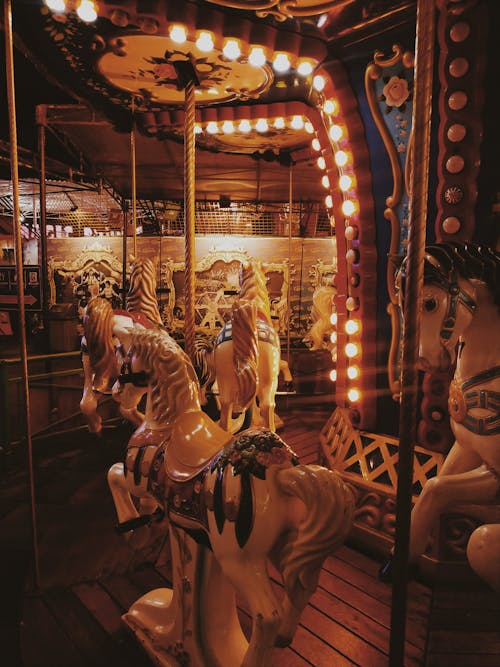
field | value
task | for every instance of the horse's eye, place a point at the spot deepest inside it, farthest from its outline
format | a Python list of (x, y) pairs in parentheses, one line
[(430, 305)]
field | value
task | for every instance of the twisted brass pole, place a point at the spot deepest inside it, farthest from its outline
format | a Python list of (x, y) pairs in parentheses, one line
[(422, 107), (14, 167), (189, 217)]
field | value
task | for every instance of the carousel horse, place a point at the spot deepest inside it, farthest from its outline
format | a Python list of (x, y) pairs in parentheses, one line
[(461, 323), (232, 502), (98, 358), (247, 353), (321, 311)]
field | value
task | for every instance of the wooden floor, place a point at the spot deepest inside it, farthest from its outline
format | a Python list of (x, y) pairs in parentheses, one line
[(89, 580)]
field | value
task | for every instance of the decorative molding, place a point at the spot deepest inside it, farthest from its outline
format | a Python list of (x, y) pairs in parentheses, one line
[(388, 85), (282, 10)]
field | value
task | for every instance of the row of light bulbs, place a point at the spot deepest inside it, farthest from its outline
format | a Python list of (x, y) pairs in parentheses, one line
[(262, 125), (85, 9), (346, 184), (205, 40)]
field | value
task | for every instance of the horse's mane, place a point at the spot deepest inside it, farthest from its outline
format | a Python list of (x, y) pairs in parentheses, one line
[(98, 327), (469, 260), (141, 296), (253, 287), (175, 387)]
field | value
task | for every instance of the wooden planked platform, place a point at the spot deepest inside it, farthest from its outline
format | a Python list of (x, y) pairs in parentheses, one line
[(78, 624)]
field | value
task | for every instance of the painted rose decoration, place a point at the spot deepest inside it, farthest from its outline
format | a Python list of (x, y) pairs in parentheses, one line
[(395, 93)]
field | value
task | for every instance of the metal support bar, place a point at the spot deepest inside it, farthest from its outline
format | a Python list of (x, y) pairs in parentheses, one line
[(11, 99), (422, 108)]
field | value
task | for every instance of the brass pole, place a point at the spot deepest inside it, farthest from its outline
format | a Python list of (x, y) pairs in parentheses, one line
[(124, 253), (422, 108), (134, 183), (189, 217), (11, 99), (288, 289), (41, 119)]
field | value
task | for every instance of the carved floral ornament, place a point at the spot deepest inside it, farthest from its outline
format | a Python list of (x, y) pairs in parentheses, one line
[(284, 9)]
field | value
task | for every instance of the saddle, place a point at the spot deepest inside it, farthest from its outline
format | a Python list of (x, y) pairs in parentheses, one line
[(195, 439)]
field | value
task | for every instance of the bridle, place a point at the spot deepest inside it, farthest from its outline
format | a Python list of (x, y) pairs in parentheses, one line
[(127, 376), (457, 295)]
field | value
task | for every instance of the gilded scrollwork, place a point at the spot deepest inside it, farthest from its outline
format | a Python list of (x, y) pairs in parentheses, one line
[(285, 9)]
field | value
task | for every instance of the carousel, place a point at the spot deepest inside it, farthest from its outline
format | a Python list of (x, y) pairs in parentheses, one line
[(250, 327)]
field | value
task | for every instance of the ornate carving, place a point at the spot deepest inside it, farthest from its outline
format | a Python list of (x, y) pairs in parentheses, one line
[(285, 9), (389, 83)]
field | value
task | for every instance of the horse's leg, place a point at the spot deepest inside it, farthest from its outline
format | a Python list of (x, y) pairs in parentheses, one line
[(124, 505), (128, 400), (226, 411), (88, 403), (251, 580), (460, 480)]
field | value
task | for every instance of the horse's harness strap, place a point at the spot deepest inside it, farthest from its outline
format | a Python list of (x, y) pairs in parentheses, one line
[(457, 295), (265, 333), (127, 376), (461, 401)]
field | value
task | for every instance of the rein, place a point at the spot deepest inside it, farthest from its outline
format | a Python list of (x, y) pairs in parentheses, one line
[(127, 376), (464, 397)]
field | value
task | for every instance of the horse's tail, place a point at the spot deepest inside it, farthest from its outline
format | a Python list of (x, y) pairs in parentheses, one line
[(245, 351), (98, 328), (328, 520)]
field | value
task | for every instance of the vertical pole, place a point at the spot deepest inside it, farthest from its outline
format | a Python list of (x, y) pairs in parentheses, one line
[(11, 99), (189, 216), (422, 107), (124, 254), (288, 289), (134, 183), (41, 120)]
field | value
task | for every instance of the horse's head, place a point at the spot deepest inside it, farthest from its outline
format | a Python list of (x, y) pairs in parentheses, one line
[(448, 305)]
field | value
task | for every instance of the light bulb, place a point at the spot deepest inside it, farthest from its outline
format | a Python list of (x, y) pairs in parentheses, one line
[(212, 127), (86, 11), (351, 350), (353, 395), (336, 132), (178, 34), (341, 158), (56, 5), (321, 163), (315, 144), (333, 375), (244, 126), (348, 207), (261, 125), (345, 182), (305, 68), (297, 122), (228, 127), (352, 326), (205, 42), (257, 57), (330, 107), (353, 372), (281, 63), (279, 123), (333, 318), (319, 83), (231, 49)]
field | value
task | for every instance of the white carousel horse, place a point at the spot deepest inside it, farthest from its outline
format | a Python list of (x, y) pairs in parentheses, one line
[(243, 496), (98, 346), (461, 322), (247, 352), (321, 311)]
